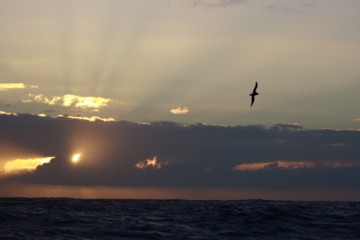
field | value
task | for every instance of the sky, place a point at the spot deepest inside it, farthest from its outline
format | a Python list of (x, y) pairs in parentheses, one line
[(154, 97)]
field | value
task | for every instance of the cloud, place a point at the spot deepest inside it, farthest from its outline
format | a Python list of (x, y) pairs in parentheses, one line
[(25, 165), (69, 100), (7, 86), (7, 113), (179, 110), (165, 154), (11, 86), (91, 119), (215, 3), (79, 117), (152, 163), (289, 165), (286, 127)]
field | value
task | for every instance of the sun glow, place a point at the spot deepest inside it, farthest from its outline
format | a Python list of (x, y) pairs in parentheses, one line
[(76, 157)]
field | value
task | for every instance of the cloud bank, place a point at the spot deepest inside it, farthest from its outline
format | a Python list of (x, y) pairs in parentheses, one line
[(165, 154)]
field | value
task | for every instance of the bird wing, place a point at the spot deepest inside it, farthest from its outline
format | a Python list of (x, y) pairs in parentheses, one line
[(252, 100), (256, 85)]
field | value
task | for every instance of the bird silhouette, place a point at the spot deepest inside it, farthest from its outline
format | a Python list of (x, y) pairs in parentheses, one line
[(253, 94)]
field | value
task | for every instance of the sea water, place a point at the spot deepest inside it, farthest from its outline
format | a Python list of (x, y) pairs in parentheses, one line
[(65, 218)]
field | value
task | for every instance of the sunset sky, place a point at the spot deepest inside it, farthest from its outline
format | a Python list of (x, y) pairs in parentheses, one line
[(153, 96)]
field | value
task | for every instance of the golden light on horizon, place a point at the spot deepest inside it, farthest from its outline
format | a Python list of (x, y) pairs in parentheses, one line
[(76, 157)]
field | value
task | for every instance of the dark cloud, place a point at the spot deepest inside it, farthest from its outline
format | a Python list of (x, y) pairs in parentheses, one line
[(286, 127), (165, 154)]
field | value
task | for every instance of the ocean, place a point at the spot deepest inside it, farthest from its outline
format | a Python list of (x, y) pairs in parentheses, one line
[(66, 218)]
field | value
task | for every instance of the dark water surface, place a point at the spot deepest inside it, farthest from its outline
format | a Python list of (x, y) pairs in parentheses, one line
[(63, 218)]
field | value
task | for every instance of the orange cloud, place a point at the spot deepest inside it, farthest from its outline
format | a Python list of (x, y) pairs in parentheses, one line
[(337, 164), (250, 166), (150, 163), (25, 165), (289, 165)]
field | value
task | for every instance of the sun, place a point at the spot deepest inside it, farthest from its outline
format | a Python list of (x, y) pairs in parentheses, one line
[(76, 157)]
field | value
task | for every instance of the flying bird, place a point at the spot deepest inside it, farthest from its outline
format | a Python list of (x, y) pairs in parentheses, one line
[(253, 94)]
